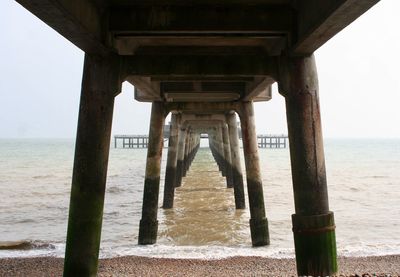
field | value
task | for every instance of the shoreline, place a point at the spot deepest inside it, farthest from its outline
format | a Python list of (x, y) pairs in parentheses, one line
[(234, 266)]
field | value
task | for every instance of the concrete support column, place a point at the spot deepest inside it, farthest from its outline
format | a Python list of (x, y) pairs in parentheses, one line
[(149, 224), (237, 175), (220, 150), (190, 150), (100, 84), (313, 223), (258, 221), (211, 142), (186, 155), (227, 155), (170, 171), (181, 154)]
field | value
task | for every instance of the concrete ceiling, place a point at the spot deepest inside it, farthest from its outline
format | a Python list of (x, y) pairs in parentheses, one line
[(179, 50)]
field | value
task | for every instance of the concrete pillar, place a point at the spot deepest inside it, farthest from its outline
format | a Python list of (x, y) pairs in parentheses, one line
[(211, 142), (186, 153), (149, 224), (227, 155), (99, 86), (258, 221), (170, 171), (181, 154), (313, 223), (237, 175), (220, 149)]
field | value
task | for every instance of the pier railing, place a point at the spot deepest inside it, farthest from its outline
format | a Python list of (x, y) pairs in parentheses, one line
[(272, 141), (141, 141)]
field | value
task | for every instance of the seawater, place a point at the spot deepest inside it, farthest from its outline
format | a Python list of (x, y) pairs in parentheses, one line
[(35, 179)]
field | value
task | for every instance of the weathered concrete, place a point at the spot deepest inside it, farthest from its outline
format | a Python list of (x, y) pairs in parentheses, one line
[(258, 221), (227, 155), (313, 223), (220, 150), (181, 154), (100, 84), (237, 175), (186, 153), (149, 224), (170, 171)]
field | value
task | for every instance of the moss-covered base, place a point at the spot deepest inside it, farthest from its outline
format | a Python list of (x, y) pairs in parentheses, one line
[(259, 232), (315, 244), (148, 231)]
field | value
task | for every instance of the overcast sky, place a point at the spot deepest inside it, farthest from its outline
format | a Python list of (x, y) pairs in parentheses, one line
[(359, 75)]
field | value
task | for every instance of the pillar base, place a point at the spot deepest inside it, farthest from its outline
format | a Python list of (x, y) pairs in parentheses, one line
[(259, 232), (315, 244), (148, 231)]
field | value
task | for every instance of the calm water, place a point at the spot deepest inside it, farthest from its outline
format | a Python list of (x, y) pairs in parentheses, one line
[(35, 177)]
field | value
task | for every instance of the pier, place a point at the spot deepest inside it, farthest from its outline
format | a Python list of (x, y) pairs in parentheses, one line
[(141, 141), (205, 63), (131, 141)]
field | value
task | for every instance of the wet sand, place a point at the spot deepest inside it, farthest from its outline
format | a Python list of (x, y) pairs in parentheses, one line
[(235, 266)]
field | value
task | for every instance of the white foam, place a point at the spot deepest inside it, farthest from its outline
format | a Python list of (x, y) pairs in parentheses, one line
[(201, 252)]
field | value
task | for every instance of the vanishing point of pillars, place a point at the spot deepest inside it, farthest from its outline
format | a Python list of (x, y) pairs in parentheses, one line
[(313, 223)]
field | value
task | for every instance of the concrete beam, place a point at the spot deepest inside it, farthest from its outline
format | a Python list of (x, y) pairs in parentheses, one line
[(319, 21), (259, 90), (211, 66), (145, 89), (202, 107), (79, 21), (167, 20)]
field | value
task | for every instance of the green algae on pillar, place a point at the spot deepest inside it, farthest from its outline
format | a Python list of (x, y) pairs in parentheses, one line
[(258, 221), (313, 223), (100, 84), (149, 224)]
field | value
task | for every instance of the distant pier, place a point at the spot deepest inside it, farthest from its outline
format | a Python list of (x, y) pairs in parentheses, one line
[(141, 141), (132, 141), (272, 141)]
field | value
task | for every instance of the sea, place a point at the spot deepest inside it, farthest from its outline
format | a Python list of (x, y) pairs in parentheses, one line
[(35, 179)]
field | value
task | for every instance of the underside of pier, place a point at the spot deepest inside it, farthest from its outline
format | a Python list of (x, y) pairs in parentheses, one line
[(204, 62)]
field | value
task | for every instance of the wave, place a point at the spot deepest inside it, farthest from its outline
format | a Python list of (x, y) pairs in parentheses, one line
[(115, 190), (41, 249), (44, 176), (25, 245)]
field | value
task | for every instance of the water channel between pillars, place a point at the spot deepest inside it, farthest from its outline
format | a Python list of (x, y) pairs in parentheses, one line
[(204, 210)]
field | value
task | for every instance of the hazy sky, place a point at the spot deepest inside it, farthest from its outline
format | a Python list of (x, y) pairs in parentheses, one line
[(40, 78)]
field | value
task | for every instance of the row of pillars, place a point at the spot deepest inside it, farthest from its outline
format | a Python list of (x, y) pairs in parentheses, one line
[(313, 223), (183, 144)]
